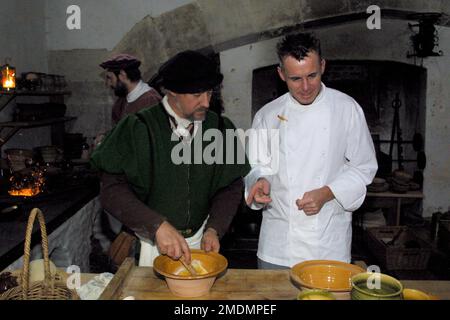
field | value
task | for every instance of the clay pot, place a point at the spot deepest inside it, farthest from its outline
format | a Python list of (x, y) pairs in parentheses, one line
[(329, 275), (19, 158), (181, 283), (50, 154), (413, 294)]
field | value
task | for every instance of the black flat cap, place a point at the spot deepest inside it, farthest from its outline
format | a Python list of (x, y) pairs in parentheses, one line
[(190, 72), (120, 62)]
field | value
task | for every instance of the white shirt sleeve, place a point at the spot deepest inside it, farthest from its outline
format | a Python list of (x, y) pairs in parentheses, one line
[(349, 187), (259, 156)]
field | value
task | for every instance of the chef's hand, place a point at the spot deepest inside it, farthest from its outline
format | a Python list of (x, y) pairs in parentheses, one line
[(313, 201), (171, 242), (259, 192), (210, 241)]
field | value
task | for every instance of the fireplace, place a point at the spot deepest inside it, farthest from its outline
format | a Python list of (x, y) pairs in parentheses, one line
[(59, 184), (374, 85)]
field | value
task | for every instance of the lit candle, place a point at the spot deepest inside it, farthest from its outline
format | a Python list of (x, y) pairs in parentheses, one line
[(8, 77)]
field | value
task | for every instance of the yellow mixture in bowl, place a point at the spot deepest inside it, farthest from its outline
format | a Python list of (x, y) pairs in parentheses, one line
[(196, 264)]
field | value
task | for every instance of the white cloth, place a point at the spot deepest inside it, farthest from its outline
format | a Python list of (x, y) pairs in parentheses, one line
[(95, 287), (138, 91), (149, 250), (324, 143), (182, 123)]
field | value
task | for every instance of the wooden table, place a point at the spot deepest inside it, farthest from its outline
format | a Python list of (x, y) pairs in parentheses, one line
[(235, 284), (398, 197)]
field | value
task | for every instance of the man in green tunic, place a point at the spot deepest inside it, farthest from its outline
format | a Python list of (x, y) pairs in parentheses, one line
[(173, 205)]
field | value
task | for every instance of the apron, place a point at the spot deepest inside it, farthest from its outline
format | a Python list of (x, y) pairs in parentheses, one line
[(149, 249)]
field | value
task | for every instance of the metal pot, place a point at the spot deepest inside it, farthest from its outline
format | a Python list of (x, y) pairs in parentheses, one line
[(19, 159)]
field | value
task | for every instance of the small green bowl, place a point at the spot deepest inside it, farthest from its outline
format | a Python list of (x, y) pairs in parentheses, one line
[(315, 294), (389, 289)]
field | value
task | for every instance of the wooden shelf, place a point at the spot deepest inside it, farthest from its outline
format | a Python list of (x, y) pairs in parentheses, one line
[(388, 194), (9, 129), (35, 93), (36, 123), (13, 94)]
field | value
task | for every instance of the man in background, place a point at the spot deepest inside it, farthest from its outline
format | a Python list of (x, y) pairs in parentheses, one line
[(124, 77)]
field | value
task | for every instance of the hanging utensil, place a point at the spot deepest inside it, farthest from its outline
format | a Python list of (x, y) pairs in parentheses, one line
[(418, 177), (417, 142), (396, 129), (421, 160)]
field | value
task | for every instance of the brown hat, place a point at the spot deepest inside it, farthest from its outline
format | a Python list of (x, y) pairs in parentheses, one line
[(121, 61)]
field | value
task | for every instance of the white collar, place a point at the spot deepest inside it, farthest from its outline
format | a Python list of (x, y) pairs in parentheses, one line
[(180, 121), (316, 100), (138, 91)]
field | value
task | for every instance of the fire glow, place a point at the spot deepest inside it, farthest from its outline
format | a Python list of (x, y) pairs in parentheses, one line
[(27, 185), (8, 77)]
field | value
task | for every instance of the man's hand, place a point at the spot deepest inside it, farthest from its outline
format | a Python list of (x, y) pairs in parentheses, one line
[(313, 201), (171, 242), (210, 241), (99, 138), (259, 192)]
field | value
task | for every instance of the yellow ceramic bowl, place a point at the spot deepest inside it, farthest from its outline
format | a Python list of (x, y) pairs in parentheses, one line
[(413, 294), (330, 275), (208, 265), (315, 294)]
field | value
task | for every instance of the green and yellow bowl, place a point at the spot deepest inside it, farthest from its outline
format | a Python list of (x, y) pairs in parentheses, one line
[(384, 287)]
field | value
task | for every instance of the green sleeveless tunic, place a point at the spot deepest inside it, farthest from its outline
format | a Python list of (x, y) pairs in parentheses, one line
[(140, 147)]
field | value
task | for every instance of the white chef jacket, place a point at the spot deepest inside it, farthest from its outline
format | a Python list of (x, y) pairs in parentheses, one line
[(324, 143)]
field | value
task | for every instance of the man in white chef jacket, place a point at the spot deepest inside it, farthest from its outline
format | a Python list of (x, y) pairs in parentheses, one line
[(325, 158)]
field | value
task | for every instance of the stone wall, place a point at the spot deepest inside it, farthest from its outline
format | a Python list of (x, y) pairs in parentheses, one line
[(244, 33), (22, 34)]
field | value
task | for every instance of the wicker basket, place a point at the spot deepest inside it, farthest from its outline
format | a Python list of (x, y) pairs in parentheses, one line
[(397, 257), (52, 287)]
